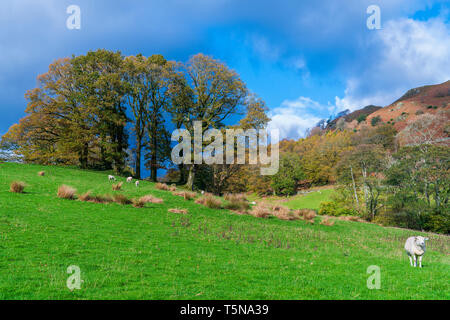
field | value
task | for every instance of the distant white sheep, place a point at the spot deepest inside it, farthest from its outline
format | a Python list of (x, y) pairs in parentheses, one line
[(129, 179), (415, 247), (137, 183), (111, 178), (203, 192)]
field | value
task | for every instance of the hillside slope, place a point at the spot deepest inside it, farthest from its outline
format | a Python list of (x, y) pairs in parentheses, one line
[(149, 253)]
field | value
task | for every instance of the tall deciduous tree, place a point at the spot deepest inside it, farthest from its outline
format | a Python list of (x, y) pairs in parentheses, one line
[(210, 92)]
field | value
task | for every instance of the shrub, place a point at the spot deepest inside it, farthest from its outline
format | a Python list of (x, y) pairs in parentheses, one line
[(162, 186), (41, 173), (375, 120), (66, 192), (261, 210), (17, 186), (331, 208), (361, 118), (175, 210), (151, 199), (117, 186), (121, 199)]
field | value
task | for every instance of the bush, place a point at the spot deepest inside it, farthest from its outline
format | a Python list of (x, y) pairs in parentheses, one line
[(66, 192), (438, 222), (375, 120), (331, 208), (361, 118), (17, 186)]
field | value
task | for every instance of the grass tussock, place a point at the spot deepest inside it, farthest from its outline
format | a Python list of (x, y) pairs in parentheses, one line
[(187, 195), (162, 186), (41, 173), (351, 218), (236, 202), (66, 192), (138, 203), (210, 201), (150, 199), (261, 210), (87, 197), (307, 214), (176, 210), (327, 222), (121, 199), (284, 213), (173, 188), (117, 186), (17, 186)]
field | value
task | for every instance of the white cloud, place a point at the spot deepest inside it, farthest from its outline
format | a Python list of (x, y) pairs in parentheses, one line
[(412, 53), (294, 117)]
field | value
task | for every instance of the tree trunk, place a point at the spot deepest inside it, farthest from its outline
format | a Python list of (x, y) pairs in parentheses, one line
[(191, 177), (354, 187), (138, 159)]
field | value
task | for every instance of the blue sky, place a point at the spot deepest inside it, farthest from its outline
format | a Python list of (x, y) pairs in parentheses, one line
[(306, 59)]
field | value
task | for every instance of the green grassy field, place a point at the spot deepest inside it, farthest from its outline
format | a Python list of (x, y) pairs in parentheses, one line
[(310, 200), (149, 253)]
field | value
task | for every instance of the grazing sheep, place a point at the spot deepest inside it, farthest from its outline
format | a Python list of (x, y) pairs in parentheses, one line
[(137, 183), (415, 247), (203, 192), (129, 179), (111, 178)]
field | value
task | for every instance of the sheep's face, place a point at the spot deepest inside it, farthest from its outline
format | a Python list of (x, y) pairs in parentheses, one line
[(420, 241)]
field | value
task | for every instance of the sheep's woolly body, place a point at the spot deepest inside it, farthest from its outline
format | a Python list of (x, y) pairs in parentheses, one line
[(415, 248)]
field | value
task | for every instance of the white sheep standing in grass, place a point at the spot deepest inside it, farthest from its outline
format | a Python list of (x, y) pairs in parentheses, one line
[(111, 178), (137, 183), (415, 247), (129, 179)]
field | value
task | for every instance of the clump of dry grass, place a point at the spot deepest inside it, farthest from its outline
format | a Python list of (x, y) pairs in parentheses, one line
[(66, 192), (138, 203), (351, 218), (209, 201), (41, 173), (87, 197), (236, 202), (175, 210), (121, 199), (17, 186), (261, 210), (151, 199), (284, 213), (117, 186), (187, 195), (306, 214), (327, 222), (234, 197), (162, 186), (173, 187)]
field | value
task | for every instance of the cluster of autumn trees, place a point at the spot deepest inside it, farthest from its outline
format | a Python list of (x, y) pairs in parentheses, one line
[(399, 179), (106, 111)]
